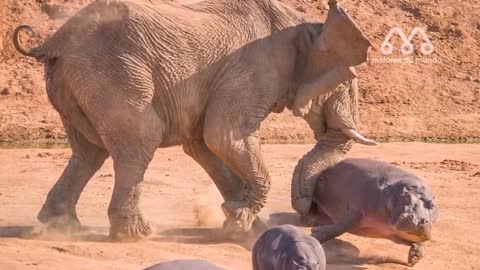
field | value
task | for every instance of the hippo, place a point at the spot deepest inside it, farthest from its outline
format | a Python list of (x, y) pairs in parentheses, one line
[(185, 265), (287, 247), (374, 199)]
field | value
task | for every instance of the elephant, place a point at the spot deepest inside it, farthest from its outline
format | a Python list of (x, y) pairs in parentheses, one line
[(130, 76)]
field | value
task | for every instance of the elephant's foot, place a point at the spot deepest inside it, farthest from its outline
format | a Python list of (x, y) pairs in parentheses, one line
[(240, 220), (415, 253), (59, 219), (128, 226), (232, 231)]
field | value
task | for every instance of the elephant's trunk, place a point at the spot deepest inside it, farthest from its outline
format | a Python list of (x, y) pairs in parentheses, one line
[(334, 122), (327, 152)]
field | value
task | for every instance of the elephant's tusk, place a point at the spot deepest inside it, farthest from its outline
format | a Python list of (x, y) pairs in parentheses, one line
[(354, 135)]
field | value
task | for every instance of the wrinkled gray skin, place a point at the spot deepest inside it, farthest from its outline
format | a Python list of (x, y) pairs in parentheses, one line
[(185, 265), (287, 247), (128, 77), (375, 199)]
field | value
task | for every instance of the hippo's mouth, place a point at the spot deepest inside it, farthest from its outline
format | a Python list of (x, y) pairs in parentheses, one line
[(414, 225)]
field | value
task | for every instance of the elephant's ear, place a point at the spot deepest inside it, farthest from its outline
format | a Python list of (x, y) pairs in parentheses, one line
[(305, 39), (342, 36), (340, 46)]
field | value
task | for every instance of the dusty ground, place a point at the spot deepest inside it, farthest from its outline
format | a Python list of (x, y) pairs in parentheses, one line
[(402, 101), (175, 187)]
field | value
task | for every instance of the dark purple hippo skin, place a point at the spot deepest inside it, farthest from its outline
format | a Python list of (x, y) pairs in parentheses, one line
[(287, 247), (185, 265), (374, 199)]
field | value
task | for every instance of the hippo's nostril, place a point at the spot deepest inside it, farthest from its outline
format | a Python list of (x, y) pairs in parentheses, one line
[(424, 221)]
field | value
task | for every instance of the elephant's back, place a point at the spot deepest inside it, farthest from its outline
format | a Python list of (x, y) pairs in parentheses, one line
[(125, 27), (175, 40), (144, 40)]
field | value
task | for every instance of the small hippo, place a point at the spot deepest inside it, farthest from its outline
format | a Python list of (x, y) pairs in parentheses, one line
[(185, 265), (287, 247), (375, 199)]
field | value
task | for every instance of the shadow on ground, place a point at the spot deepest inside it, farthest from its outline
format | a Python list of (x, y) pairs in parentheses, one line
[(203, 236), (338, 252), (341, 252), (90, 234)]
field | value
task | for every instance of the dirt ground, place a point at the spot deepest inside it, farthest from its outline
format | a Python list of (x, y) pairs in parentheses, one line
[(178, 196)]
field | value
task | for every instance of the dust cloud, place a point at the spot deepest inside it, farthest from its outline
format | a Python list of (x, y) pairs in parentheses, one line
[(206, 210)]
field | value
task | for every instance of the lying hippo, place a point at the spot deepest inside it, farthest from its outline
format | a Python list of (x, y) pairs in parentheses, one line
[(287, 247), (185, 265), (374, 199)]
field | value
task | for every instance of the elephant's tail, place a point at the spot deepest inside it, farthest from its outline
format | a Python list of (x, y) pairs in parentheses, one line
[(37, 52)]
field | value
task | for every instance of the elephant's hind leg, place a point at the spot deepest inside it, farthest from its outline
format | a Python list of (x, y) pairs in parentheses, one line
[(59, 208), (131, 140)]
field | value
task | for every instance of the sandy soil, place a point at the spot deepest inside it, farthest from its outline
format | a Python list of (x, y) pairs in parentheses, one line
[(402, 101), (179, 196)]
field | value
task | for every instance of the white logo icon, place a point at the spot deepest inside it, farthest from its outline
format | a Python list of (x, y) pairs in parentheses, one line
[(407, 46)]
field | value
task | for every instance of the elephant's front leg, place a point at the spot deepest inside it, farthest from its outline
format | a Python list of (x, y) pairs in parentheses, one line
[(228, 183), (243, 157)]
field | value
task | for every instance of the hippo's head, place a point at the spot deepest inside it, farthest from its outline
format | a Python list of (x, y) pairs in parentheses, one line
[(302, 256), (412, 212)]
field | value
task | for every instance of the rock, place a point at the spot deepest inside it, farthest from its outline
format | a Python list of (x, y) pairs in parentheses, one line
[(390, 123), (300, 9), (54, 11), (5, 91), (470, 78)]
